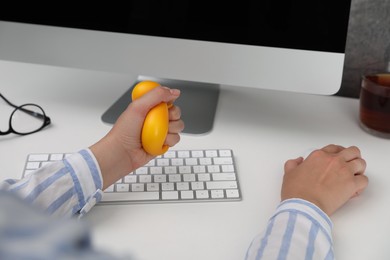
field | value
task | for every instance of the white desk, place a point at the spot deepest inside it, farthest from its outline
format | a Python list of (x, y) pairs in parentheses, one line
[(263, 128)]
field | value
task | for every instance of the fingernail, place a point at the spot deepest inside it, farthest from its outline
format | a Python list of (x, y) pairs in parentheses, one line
[(175, 92)]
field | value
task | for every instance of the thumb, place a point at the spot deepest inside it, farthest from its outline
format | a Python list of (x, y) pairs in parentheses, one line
[(154, 97), (292, 164)]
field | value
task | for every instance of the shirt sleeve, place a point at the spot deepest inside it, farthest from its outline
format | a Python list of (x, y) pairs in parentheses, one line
[(26, 233), (297, 230), (63, 188)]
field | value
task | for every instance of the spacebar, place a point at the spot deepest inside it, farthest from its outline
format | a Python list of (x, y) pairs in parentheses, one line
[(129, 196)]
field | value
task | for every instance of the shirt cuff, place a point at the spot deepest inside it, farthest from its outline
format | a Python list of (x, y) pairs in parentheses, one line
[(87, 178), (308, 209)]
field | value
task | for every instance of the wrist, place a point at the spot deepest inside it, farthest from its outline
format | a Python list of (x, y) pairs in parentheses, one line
[(309, 209), (113, 162)]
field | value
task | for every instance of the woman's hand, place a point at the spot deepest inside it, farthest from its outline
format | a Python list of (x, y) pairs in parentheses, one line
[(328, 177), (120, 151)]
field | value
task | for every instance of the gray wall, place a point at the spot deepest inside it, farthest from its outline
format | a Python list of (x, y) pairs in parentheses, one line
[(368, 42)]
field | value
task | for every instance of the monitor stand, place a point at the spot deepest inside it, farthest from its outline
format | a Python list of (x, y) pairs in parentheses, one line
[(198, 103)]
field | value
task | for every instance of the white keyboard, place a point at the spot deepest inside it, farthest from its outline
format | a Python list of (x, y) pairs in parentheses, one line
[(176, 176)]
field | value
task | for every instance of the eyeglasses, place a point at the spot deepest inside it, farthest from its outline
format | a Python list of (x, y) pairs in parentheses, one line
[(26, 119)]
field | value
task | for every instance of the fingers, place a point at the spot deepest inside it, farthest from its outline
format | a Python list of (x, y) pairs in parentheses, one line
[(176, 126), (172, 139), (357, 166), (175, 94), (350, 153), (361, 183), (154, 97), (174, 113), (174, 129), (332, 148)]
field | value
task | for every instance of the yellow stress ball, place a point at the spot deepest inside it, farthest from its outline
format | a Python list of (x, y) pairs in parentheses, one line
[(155, 128)]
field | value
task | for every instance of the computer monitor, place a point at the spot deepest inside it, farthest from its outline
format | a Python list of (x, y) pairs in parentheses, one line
[(195, 45)]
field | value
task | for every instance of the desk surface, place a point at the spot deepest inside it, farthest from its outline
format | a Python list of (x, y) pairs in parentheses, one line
[(264, 129)]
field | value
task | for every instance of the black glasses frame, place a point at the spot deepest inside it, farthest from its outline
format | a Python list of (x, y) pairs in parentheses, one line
[(46, 119)]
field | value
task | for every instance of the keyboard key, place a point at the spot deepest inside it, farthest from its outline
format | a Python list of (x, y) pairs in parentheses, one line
[(213, 168), (170, 195), (141, 170), (203, 177), (199, 168), (130, 178), (223, 160), (160, 178), (197, 185), (182, 186), (211, 153), (205, 161), (170, 170), (170, 154), (217, 194), (56, 157), (225, 153), (189, 177), (122, 187), (184, 169), (162, 162), (202, 194), (145, 178), (167, 186), (151, 163), (227, 168), (197, 153), (137, 187), (174, 177), (191, 161), (33, 165), (183, 154), (177, 161), (129, 196), (156, 170), (152, 187), (232, 193), (38, 157), (187, 194), (212, 185), (224, 176)]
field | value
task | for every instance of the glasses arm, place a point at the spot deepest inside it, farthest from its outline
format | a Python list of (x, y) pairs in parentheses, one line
[(8, 102), (31, 113), (42, 116)]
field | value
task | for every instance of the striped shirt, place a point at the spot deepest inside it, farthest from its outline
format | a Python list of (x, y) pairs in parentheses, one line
[(297, 230), (63, 188)]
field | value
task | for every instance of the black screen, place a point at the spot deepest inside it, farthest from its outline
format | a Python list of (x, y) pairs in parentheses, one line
[(301, 24)]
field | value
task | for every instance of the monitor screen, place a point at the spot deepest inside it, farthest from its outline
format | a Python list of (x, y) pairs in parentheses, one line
[(296, 46)]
